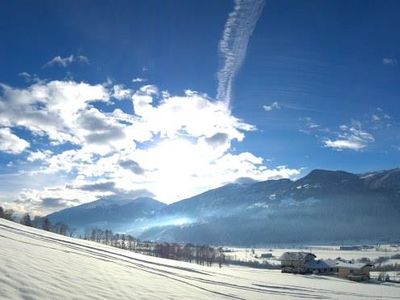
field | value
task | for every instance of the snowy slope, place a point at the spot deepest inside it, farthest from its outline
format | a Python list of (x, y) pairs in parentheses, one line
[(39, 265)]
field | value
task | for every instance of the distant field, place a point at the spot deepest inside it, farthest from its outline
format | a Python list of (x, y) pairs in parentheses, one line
[(322, 252)]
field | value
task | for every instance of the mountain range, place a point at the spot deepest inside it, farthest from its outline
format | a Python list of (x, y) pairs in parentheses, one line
[(324, 206)]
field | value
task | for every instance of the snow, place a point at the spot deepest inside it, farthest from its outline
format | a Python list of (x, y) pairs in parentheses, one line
[(322, 252), (393, 275), (258, 205), (35, 264)]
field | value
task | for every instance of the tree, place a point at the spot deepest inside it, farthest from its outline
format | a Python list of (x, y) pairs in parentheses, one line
[(221, 257), (131, 242), (26, 220), (61, 228), (64, 229), (9, 214), (37, 222), (46, 224), (72, 231), (1, 213), (108, 236), (123, 240)]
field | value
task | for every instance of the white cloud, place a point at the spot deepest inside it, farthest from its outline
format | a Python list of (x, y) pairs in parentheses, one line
[(65, 61), (233, 45), (47, 200), (49, 108), (355, 136), (39, 155), (139, 79), (274, 106), (389, 61), (119, 92), (10, 143), (171, 146), (350, 138), (341, 144), (381, 120), (375, 118)]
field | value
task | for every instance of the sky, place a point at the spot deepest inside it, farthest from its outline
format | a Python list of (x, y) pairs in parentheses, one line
[(168, 99)]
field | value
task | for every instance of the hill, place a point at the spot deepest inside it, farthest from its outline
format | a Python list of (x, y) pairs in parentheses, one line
[(35, 264)]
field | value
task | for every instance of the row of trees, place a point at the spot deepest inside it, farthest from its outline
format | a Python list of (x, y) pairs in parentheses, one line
[(108, 237), (37, 222), (203, 255), (6, 214)]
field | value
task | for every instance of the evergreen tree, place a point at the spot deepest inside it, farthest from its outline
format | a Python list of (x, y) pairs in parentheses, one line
[(26, 220), (9, 214), (46, 224)]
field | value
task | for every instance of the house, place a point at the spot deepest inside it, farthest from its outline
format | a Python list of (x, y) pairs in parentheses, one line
[(322, 266), (266, 255), (295, 262), (354, 271), (350, 248)]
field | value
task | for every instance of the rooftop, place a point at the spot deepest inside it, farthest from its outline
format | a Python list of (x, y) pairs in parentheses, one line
[(296, 255)]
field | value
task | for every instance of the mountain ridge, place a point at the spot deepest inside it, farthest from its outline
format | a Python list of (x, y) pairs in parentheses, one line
[(323, 205)]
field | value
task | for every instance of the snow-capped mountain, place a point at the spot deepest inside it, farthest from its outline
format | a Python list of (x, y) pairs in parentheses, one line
[(322, 206), (389, 180)]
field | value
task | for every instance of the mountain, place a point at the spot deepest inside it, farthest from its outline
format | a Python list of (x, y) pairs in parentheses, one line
[(320, 207), (389, 180), (107, 213)]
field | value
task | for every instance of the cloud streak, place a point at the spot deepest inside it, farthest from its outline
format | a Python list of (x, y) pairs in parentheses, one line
[(233, 45), (65, 61)]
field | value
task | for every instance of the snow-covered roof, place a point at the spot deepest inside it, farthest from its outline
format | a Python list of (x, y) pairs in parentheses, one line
[(295, 255), (321, 264), (348, 265)]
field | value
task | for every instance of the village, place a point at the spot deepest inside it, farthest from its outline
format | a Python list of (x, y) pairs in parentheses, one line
[(307, 263), (371, 263)]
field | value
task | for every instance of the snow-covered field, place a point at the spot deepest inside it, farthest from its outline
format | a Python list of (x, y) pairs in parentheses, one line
[(39, 265), (322, 252)]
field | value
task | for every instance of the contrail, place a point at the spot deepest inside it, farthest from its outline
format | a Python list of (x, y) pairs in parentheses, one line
[(233, 45)]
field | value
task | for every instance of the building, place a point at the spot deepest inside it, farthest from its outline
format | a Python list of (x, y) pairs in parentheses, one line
[(266, 255), (296, 262), (322, 266), (306, 263), (350, 248), (354, 271)]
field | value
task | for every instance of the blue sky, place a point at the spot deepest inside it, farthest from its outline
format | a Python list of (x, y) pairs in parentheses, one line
[(171, 98)]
